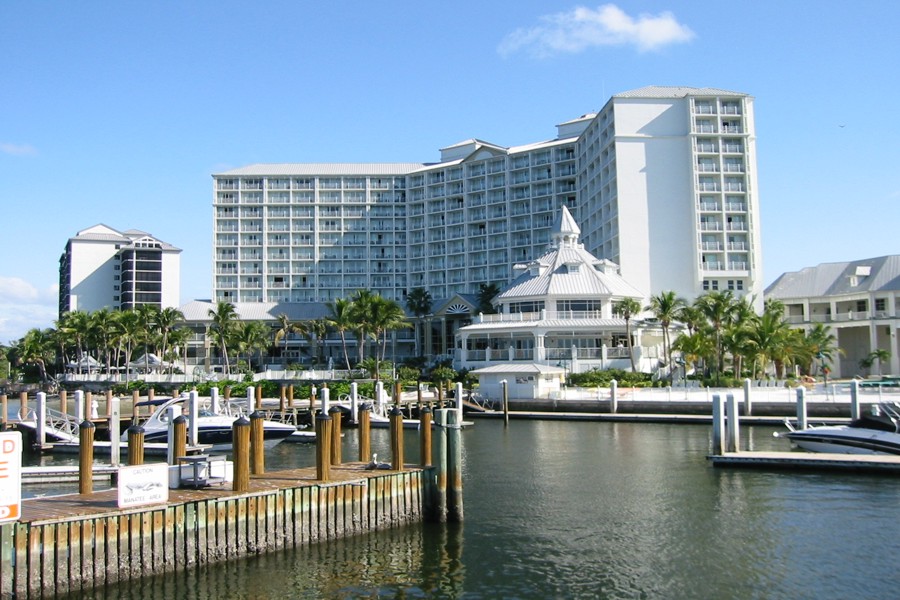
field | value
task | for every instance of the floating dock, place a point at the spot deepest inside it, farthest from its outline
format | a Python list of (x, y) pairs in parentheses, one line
[(880, 463)]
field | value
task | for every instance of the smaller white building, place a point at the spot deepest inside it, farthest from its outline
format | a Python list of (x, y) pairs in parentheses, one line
[(522, 380), (105, 268), (560, 311)]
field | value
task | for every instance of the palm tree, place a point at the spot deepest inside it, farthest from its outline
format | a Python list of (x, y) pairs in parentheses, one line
[(250, 337), (718, 308), (224, 316), (340, 319), (486, 293), (102, 333), (148, 315), (627, 308), (179, 338), (694, 347), (419, 302), (129, 332), (879, 355), (282, 331), (360, 309), (36, 348), (773, 341), (166, 320), (76, 326), (665, 306), (822, 346), (384, 316), (315, 331)]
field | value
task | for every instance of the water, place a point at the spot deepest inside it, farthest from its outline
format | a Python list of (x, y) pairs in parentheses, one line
[(591, 510)]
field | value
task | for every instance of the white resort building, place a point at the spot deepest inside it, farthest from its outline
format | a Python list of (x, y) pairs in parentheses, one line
[(662, 179), (105, 268), (560, 312), (859, 300)]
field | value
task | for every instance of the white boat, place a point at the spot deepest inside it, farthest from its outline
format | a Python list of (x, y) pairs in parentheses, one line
[(213, 429), (875, 433)]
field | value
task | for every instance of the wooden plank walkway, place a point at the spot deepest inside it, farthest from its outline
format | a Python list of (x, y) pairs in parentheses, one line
[(878, 463)]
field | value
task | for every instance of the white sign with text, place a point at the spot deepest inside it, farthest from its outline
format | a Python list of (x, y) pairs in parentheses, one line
[(143, 484), (10, 476)]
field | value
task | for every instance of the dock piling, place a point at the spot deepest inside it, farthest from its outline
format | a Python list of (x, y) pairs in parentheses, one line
[(504, 386), (454, 468), (854, 400), (439, 501), (86, 457), (365, 445), (335, 413), (732, 427), (257, 443), (178, 438), (135, 445), (718, 432), (240, 439), (396, 417), (4, 406), (323, 446), (801, 407), (40, 419), (115, 427), (613, 396), (425, 436), (748, 402)]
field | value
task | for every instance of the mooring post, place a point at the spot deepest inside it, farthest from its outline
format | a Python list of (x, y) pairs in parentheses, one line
[(365, 445), (214, 404), (88, 401), (240, 439), (86, 457), (23, 405), (257, 441), (718, 432), (282, 398), (440, 394), (291, 395), (135, 445), (312, 397), (135, 409), (425, 436), (504, 386), (323, 446), (115, 431), (733, 425), (801, 407), (335, 413), (250, 399), (109, 397), (748, 403), (379, 398), (854, 400), (398, 396), (613, 396), (439, 506), (354, 403), (259, 402), (227, 393), (63, 402), (79, 405), (459, 402), (40, 419), (193, 415), (4, 406), (454, 469), (178, 438), (396, 417)]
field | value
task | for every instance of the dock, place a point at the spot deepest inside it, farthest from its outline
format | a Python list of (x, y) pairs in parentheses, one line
[(68, 543), (816, 461)]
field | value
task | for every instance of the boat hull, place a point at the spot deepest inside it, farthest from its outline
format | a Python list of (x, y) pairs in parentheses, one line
[(845, 440)]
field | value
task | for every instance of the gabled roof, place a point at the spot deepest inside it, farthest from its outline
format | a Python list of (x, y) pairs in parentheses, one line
[(523, 368), (839, 279)]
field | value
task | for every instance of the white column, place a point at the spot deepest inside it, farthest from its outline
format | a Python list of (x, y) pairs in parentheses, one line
[(354, 402), (79, 406), (732, 427), (214, 400), (40, 419), (459, 401), (115, 430), (193, 414)]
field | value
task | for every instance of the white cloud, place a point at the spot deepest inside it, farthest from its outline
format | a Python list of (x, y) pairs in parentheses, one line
[(583, 28), (17, 149), (24, 307)]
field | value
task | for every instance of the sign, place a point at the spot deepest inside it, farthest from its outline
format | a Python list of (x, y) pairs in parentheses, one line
[(10, 476), (143, 484)]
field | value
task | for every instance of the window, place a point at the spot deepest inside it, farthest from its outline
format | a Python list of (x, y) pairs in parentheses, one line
[(880, 304), (861, 306)]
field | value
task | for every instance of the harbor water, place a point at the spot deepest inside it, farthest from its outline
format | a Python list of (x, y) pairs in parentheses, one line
[(591, 510)]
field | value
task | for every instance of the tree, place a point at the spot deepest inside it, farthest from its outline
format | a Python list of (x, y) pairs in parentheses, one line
[(385, 315), (224, 317), (102, 333), (694, 347), (359, 314), (486, 293), (821, 345), (315, 331), (166, 320), (879, 356), (773, 341), (75, 325), (419, 302), (284, 329), (718, 308), (340, 318), (36, 348), (249, 337), (665, 306), (627, 308)]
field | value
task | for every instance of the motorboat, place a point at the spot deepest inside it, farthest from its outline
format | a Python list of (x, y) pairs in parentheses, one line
[(213, 428), (877, 432)]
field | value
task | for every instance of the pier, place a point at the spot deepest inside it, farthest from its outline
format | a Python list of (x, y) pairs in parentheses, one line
[(77, 542)]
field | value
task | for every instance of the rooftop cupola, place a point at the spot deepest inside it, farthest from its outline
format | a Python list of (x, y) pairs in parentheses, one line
[(565, 231)]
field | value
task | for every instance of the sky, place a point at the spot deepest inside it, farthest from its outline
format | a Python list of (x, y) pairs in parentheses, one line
[(119, 112)]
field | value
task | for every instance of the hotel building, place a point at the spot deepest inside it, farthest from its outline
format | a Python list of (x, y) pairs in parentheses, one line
[(105, 268), (662, 181)]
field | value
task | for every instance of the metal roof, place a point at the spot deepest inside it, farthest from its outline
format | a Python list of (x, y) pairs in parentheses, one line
[(198, 310), (839, 279), (519, 368)]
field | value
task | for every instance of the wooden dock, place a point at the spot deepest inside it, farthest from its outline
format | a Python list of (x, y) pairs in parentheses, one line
[(64, 544), (871, 463)]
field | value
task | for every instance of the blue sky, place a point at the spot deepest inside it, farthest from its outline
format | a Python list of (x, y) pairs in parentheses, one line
[(119, 112)]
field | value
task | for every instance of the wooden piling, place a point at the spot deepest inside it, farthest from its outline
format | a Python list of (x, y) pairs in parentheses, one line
[(258, 397), (396, 417), (257, 443), (323, 447), (335, 413), (86, 457), (227, 393), (291, 395), (240, 440), (425, 436), (505, 390), (135, 409), (178, 439), (63, 402), (135, 445), (365, 434), (282, 398), (109, 397), (23, 405), (4, 406)]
